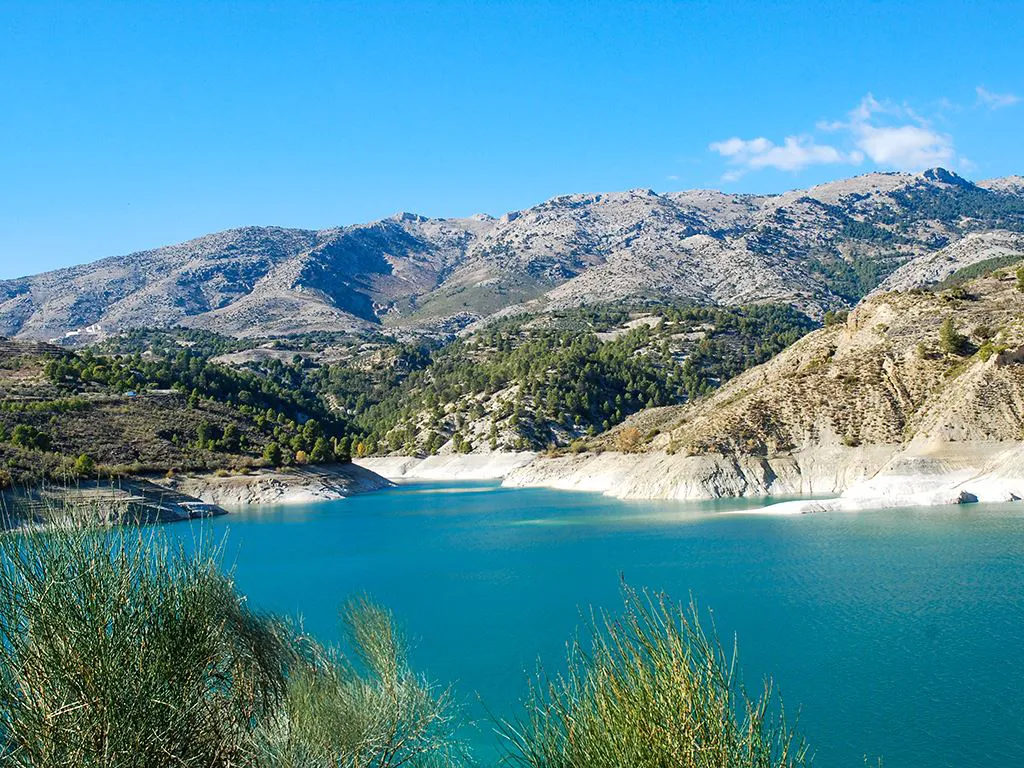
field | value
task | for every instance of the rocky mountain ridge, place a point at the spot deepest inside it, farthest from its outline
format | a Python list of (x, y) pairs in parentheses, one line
[(818, 249)]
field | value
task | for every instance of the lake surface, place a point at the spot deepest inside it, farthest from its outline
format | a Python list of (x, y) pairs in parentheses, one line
[(898, 633)]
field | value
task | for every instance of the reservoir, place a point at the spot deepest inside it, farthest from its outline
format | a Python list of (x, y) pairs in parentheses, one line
[(896, 633)]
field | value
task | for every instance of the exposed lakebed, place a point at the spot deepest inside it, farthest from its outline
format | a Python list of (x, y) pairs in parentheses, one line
[(897, 632)]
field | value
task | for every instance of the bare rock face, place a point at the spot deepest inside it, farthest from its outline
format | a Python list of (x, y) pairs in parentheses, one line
[(818, 249), (971, 249), (888, 408)]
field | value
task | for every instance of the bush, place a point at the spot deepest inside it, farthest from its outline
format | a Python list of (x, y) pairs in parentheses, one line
[(116, 649), (836, 317), (84, 466), (951, 341), (27, 436), (653, 690), (377, 713), (628, 439)]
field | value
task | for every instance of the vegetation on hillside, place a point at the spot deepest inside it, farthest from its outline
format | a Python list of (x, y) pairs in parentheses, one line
[(120, 650), (530, 382), (945, 364), (524, 382), (978, 269), (152, 401), (65, 416)]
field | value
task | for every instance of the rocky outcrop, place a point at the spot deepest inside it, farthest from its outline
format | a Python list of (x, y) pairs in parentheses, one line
[(299, 485), (658, 475), (972, 249)]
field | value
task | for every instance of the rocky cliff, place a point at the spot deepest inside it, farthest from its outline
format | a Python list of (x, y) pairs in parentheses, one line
[(918, 397)]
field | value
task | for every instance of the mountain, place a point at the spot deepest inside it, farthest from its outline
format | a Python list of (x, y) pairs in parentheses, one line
[(917, 397), (817, 249)]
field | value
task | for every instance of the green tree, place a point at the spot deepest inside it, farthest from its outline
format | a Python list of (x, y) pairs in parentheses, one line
[(204, 433), (27, 436), (951, 341), (321, 453), (230, 440), (84, 466), (272, 453)]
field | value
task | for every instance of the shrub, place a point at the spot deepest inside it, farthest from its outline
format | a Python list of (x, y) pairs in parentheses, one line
[(654, 689), (375, 712), (118, 650), (84, 466), (628, 439), (27, 436), (836, 317), (951, 341), (1020, 278)]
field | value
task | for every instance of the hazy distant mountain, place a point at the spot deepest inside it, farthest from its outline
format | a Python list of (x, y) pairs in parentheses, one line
[(820, 248)]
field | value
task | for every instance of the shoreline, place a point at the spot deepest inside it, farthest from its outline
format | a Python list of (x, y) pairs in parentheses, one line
[(496, 465), (841, 478), (293, 485)]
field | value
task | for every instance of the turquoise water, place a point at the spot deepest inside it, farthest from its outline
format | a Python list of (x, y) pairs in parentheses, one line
[(898, 633)]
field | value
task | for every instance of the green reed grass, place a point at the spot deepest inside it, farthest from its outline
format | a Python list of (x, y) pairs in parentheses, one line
[(369, 712), (651, 689)]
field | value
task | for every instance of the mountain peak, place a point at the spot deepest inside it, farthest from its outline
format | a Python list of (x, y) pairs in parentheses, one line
[(411, 217), (942, 176)]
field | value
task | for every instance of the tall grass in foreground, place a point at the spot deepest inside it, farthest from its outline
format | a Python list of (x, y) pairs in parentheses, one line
[(652, 689), (119, 650), (367, 713)]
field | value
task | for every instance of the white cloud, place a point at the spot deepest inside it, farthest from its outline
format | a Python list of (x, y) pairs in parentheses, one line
[(905, 147), (995, 100), (794, 154), (896, 137), (889, 135)]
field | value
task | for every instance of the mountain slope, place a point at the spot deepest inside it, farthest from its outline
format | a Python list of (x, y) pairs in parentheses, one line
[(816, 249), (922, 388)]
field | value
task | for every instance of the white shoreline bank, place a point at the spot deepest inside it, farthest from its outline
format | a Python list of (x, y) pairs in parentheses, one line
[(468, 466), (842, 478)]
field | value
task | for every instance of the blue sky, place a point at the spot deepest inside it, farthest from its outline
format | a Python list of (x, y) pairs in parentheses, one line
[(126, 125)]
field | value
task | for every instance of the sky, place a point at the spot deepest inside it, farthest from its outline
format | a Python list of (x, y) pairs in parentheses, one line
[(129, 125)]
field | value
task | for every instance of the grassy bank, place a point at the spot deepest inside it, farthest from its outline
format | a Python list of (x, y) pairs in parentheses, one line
[(120, 649)]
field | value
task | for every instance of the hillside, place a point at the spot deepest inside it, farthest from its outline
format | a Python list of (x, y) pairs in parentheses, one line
[(534, 381), (918, 391), (70, 416), (520, 383), (816, 249)]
